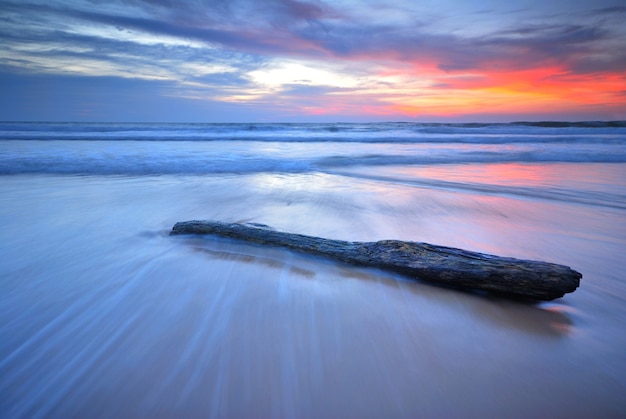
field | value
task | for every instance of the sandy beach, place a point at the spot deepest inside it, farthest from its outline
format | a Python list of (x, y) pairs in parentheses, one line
[(106, 315)]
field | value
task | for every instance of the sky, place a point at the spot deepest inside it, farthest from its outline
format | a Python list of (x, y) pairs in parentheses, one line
[(312, 61)]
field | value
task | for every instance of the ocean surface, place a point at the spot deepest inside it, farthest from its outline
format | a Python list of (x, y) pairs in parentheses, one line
[(102, 314)]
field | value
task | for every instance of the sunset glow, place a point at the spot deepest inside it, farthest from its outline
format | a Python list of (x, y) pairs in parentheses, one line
[(289, 60)]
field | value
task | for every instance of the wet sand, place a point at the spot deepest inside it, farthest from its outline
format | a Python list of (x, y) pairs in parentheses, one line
[(105, 315)]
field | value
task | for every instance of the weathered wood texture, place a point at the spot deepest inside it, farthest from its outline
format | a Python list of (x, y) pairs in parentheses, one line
[(443, 265)]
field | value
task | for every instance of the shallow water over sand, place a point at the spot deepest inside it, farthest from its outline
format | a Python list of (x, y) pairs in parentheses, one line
[(102, 314)]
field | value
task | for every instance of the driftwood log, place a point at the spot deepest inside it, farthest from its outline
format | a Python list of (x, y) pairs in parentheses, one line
[(448, 266)]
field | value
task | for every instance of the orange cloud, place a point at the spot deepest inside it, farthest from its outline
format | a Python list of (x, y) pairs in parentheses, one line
[(513, 92)]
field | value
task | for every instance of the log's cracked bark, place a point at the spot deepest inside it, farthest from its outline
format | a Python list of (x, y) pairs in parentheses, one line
[(438, 264)]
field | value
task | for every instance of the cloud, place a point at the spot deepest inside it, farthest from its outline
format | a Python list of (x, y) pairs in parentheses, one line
[(396, 56), (611, 10), (314, 30)]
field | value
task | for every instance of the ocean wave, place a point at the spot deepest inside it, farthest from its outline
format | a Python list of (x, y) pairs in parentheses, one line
[(140, 165), (127, 163), (536, 156), (292, 148), (472, 133)]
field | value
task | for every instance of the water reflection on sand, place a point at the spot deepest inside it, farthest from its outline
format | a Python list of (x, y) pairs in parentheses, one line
[(105, 315)]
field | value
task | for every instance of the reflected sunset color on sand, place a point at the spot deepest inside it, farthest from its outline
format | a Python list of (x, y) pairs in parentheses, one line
[(103, 314)]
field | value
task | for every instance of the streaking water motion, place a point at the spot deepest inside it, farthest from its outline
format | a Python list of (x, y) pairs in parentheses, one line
[(103, 315)]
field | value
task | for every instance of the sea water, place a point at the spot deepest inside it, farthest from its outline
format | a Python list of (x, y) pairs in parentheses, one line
[(102, 314)]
